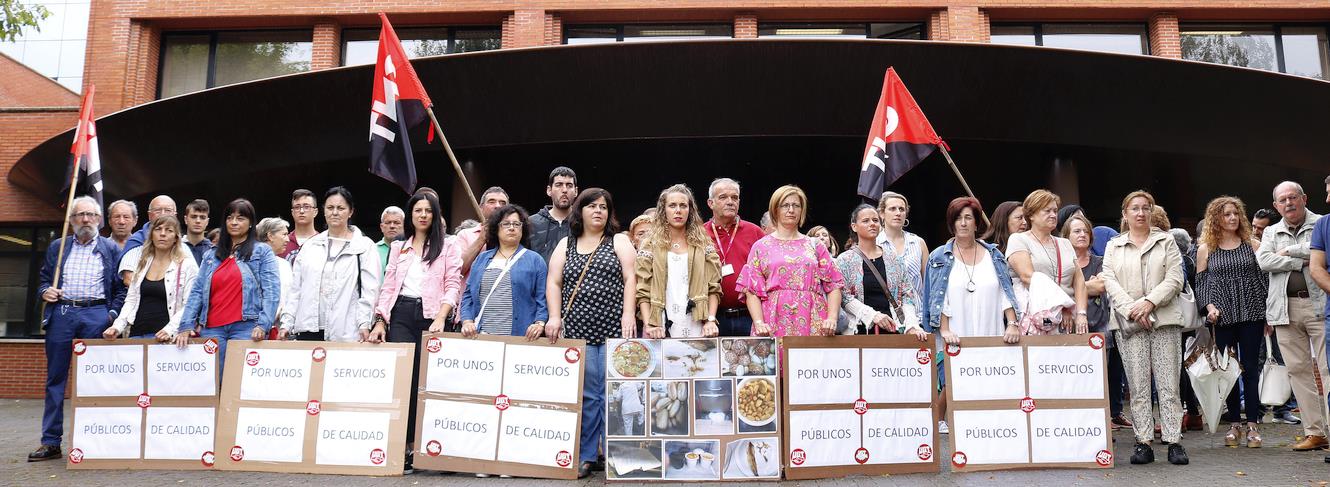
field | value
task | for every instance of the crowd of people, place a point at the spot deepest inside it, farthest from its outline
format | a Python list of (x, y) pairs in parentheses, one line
[(1035, 267)]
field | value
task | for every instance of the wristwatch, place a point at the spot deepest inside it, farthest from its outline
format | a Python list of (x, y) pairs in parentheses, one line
[(711, 319)]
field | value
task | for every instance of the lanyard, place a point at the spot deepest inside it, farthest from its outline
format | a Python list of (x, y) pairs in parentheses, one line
[(715, 233)]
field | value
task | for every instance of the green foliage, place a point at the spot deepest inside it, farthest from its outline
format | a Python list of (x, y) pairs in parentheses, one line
[(18, 16)]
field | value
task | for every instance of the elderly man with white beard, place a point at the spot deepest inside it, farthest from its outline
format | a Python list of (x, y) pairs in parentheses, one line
[(84, 303)]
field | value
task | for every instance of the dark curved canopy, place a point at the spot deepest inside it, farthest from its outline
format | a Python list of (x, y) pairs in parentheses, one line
[(708, 89)]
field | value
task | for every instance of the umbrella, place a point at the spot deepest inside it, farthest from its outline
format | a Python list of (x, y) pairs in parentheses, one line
[(1213, 373)]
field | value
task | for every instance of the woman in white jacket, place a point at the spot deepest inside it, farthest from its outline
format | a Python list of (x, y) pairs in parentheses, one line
[(334, 280), (162, 279)]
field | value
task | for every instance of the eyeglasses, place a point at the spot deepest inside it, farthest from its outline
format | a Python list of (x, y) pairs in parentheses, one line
[(510, 224), (1139, 209), (1288, 199), (86, 214), (791, 206), (302, 208)]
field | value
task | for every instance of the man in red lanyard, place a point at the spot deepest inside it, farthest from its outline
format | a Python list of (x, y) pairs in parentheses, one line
[(733, 238)]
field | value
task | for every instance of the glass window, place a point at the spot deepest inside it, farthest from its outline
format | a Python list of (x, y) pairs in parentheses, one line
[(55, 47), (641, 33), (884, 30), (361, 46), (192, 62), (1015, 35), (1234, 45), (21, 257), (1305, 51), (591, 34)]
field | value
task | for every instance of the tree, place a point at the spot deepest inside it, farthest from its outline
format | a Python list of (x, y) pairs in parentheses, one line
[(18, 16)]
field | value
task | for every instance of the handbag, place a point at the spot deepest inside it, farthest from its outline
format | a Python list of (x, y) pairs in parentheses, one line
[(1191, 318), (897, 312), (1275, 389)]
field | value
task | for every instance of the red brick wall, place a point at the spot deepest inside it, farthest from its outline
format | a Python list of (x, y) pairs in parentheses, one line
[(22, 131), (327, 45), (22, 369), (745, 26), (1164, 38), (20, 86)]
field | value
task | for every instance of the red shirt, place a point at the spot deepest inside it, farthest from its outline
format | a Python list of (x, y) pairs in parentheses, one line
[(733, 245), (227, 295)]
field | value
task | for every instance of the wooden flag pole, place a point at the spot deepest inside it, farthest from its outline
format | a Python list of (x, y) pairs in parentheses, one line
[(447, 149), (964, 184)]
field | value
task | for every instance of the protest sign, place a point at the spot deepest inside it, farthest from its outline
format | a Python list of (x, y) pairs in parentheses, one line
[(1038, 404), (499, 405), (314, 407), (858, 405), (692, 410), (140, 404)]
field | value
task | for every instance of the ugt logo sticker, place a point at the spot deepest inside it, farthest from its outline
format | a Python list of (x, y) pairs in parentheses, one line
[(208, 459), (861, 455), (79, 348), (959, 460), (434, 344), (433, 448), (563, 458), (953, 349), (501, 402), (318, 354), (144, 400), (376, 456), (923, 356), (312, 407), (925, 452), (1027, 404), (76, 456), (860, 406), (252, 358), (237, 453), (210, 346), (572, 355), (1097, 341), (1104, 458), (798, 456)]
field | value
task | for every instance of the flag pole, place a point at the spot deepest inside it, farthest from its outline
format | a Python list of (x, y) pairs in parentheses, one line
[(964, 184), (448, 149)]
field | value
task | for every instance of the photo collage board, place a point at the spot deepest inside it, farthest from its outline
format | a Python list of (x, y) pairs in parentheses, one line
[(693, 409)]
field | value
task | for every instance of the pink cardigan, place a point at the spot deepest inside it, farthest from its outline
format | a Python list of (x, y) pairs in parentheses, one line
[(442, 284)]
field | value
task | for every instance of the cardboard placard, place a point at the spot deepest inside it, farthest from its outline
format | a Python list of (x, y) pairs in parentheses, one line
[(314, 407), (1037, 404), (858, 405), (499, 405), (684, 410), (140, 404)]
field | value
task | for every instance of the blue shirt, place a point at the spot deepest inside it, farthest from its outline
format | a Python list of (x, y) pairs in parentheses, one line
[(1102, 235), (1320, 241)]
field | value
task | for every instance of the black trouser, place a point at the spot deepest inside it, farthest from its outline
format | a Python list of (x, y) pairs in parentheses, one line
[(1185, 392), (1116, 378), (734, 322), (308, 336), (1245, 338), (406, 325)]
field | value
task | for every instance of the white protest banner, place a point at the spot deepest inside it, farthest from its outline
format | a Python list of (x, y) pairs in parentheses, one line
[(109, 370), (275, 375), (693, 409), (359, 376), (499, 405), (881, 422), (314, 407), (1059, 420), (178, 433), (151, 405), (173, 371)]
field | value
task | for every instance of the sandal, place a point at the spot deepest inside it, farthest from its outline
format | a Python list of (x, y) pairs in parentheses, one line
[(1231, 439), (1253, 437)]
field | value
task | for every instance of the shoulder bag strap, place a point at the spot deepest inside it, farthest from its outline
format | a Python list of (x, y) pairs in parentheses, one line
[(578, 286), (895, 308), (511, 261)]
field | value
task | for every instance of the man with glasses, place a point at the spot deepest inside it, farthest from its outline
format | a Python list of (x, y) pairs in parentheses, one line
[(1294, 307), (84, 301), (196, 228), (304, 209), (129, 257)]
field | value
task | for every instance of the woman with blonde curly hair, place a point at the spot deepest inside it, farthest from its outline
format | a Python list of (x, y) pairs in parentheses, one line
[(678, 271), (1231, 288)]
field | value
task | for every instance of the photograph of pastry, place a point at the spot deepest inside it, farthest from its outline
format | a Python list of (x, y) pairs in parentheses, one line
[(747, 356), (692, 459), (633, 459), (668, 412), (691, 358), (713, 400), (633, 359), (625, 413), (755, 404), (752, 458)]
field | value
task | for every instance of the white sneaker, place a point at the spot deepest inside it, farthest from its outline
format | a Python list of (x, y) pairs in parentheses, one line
[(942, 428), (482, 475)]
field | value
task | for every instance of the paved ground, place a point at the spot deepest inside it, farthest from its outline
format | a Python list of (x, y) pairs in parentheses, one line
[(1212, 465)]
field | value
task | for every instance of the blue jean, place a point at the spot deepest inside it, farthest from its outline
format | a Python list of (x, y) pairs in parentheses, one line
[(593, 402), (735, 326), (66, 324), (240, 330)]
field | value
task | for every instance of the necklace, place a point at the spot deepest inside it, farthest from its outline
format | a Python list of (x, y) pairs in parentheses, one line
[(969, 268)]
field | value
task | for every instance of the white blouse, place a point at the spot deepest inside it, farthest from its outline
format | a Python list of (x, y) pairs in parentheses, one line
[(676, 299), (978, 313)]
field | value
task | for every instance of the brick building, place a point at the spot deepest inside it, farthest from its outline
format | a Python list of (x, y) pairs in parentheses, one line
[(141, 51)]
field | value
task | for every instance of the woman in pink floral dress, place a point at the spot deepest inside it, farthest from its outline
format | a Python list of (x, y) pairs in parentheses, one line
[(792, 285)]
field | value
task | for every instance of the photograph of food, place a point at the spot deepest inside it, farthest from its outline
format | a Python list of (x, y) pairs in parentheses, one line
[(669, 409), (633, 359), (633, 459), (714, 407), (625, 413), (752, 458), (755, 404), (692, 459), (747, 356), (691, 358)]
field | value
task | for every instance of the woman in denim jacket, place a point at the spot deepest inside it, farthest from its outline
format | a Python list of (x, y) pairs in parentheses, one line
[(237, 291), (509, 270)]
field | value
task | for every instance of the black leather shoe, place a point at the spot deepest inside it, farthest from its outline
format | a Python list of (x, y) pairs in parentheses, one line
[(1144, 454), (584, 470), (1177, 455), (44, 452)]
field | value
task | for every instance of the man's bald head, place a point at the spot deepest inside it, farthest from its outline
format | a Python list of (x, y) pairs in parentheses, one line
[(161, 205)]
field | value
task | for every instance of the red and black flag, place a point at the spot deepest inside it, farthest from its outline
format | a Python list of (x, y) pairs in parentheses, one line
[(85, 162), (398, 107), (899, 139)]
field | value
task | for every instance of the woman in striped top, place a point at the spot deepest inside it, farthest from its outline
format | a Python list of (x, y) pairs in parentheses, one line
[(1232, 288), (505, 291)]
